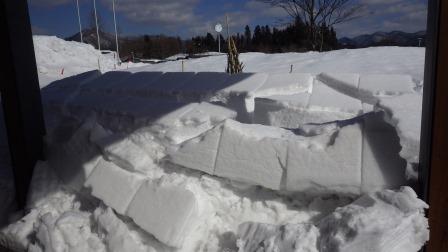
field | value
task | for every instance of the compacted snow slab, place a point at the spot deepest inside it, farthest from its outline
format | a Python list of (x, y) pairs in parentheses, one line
[(382, 166), (166, 211), (382, 221), (371, 86), (203, 86), (290, 111), (286, 238), (386, 84), (335, 166), (120, 150), (113, 185), (404, 113), (189, 121), (254, 154), (238, 93), (327, 99), (327, 161), (287, 111), (281, 84), (199, 152)]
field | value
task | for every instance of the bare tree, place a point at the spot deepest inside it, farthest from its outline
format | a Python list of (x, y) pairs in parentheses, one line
[(316, 13)]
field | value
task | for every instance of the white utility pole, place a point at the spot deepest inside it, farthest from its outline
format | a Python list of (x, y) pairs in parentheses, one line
[(96, 22), (79, 20), (218, 29), (116, 32)]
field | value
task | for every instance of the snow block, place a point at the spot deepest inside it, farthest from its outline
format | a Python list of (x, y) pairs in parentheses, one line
[(386, 84), (327, 99), (283, 84), (404, 113), (190, 121), (382, 167), (371, 86), (332, 166), (114, 186), (346, 83), (238, 93), (203, 86), (121, 150), (254, 154), (377, 222), (288, 111), (167, 212), (286, 238), (124, 153), (199, 153)]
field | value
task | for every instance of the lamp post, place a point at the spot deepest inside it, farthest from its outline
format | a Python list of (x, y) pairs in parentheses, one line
[(218, 29)]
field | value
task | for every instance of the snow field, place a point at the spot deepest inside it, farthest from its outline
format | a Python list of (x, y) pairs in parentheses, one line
[(138, 126)]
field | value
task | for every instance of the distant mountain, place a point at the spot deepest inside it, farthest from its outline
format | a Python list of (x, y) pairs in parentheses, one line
[(107, 40), (394, 38)]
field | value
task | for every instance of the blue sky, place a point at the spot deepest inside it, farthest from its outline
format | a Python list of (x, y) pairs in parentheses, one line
[(187, 18)]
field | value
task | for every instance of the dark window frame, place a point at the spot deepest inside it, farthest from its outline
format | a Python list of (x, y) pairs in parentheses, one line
[(25, 125)]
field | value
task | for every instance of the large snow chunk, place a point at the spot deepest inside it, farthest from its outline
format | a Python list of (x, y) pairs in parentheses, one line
[(334, 165), (122, 151), (345, 83), (114, 186), (199, 153), (289, 111), (282, 84), (377, 222), (74, 159), (386, 84), (167, 212), (382, 167), (327, 99), (404, 113), (272, 238), (371, 86), (190, 121), (238, 93), (250, 153)]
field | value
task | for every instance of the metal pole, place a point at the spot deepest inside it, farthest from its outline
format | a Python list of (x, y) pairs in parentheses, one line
[(96, 23), (116, 32), (219, 43), (79, 20)]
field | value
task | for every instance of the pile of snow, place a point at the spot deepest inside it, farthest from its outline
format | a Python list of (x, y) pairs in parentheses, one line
[(143, 160), (57, 59)]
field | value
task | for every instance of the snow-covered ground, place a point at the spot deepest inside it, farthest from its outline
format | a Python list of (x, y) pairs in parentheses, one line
[(313, 160)]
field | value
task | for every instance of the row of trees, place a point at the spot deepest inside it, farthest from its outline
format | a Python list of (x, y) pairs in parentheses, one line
[(296, 37)]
